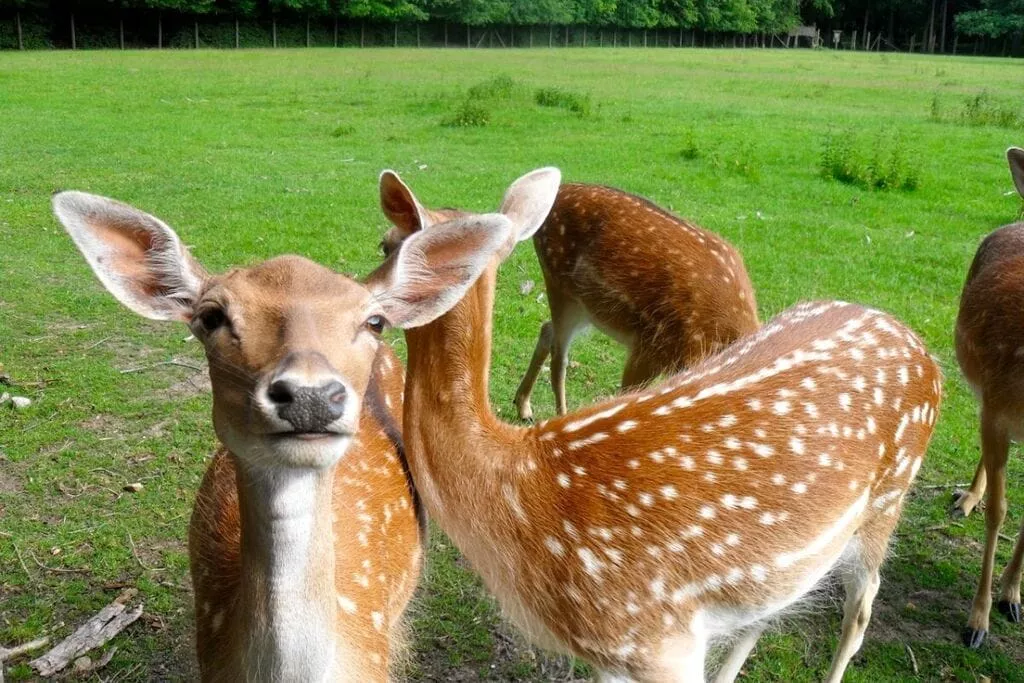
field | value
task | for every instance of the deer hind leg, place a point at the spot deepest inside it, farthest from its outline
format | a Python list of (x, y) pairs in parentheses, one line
[(995, 449), (967, 500), (738, 654), (639, 369), (860, 582), (540, 354), (1009, 582)]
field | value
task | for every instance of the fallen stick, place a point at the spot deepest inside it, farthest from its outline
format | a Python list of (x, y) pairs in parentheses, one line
[(18, 650), (106, 624)]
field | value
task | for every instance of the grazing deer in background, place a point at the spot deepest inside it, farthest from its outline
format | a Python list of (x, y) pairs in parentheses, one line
[(634, 532), (671, 292), (990, 350), (306, 538)]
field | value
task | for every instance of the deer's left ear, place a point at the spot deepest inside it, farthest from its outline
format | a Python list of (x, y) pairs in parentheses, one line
[(1015, 157), (137, 257), (400, 205), (528, 200)]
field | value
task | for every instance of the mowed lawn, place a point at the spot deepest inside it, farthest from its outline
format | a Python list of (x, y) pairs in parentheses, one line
[(251, 154)]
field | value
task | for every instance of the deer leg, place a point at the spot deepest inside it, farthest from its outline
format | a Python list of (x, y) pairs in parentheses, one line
[(1009, 582), (638, 371), (566, 321), (995, 448), (967, 500), (540, 354), (861, 583), (738, 654)]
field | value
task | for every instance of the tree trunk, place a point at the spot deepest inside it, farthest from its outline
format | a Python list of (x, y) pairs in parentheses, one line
[(418, 44), (195, 31), (930, 44), (468, 43), (531, 36), (396, 34), (273, 30), (307, 31), (74, 42), (120, 27), (584, 36), (551, 33), (942, 46), (238, 40), (645, 37), (17, 20), (600, 38), (362, 34), (159, 31), (567, 35), (335, 31)]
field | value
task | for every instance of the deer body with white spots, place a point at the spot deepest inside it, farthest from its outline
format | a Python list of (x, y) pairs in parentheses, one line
[(635, 532), (306, 537), (990, 348), (670, 291)]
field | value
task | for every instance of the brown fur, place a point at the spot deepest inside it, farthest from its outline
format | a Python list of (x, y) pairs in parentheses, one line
[(672, 292)]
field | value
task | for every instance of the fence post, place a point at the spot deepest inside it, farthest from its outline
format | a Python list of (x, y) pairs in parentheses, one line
[(307, 30), (567, 35), (418, 34), (396, 34), (912, 42), (531, 35), (335, 31), (120, 27), (195, 29), (362, 34), (551, 31), (159, 30), (584, 35), (238, 40), (17, 20), (867, 42), (74, 44)]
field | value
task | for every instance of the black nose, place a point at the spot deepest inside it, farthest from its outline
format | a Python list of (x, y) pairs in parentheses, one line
[(308, 409)]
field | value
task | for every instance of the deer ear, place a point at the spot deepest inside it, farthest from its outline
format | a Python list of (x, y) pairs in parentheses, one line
[(137, 257), (434, 268), (1015, 157), (528, 200), (400, 205)]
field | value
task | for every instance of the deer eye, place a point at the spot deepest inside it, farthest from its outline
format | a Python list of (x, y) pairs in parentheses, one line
[(375, 323), (212, 319)]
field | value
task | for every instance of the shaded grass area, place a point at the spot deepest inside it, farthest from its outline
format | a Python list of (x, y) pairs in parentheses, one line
[(251, 154)]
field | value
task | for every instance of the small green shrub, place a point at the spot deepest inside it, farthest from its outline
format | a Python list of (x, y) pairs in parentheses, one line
[(691, 150), (498, 88), (575, 102), (469, 114), (343, 131), (887, 168)]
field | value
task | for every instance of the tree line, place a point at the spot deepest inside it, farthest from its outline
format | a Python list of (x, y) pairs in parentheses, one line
[(894, 21)]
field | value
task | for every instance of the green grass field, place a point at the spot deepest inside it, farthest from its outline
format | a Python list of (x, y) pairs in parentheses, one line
[(251, 154)]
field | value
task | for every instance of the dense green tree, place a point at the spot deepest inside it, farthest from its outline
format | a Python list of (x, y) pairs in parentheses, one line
[(996, 18)]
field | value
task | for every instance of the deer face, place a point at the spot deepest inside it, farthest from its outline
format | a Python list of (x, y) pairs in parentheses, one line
[(290, 344)]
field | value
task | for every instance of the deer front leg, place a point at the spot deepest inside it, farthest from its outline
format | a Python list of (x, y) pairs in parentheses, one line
[(995, 448), (967, 500), (738, 654), (540, 354)]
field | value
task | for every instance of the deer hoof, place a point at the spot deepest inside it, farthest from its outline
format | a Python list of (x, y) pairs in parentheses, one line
[(973, 637), (1010, 610)]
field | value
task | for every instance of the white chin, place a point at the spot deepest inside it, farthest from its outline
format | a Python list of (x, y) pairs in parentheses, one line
[(317, 452)]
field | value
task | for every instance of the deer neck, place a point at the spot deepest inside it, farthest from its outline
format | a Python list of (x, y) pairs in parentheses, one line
[(288, 596), (454, 442)]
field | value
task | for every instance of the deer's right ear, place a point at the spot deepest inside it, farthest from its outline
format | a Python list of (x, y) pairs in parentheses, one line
[(434, 268), (401, 206), (528, 200), (1015, 157), (137, 257)]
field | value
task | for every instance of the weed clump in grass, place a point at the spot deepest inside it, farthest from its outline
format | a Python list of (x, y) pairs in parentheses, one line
[(577, 103), (470, 114), (497, 88), (343, 130), (741, 164), (980, 110), (887, 169)]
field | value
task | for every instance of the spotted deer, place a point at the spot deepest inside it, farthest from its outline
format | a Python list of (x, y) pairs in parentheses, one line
[(636, 531), (669, 291), (306, 536), (989, 347)]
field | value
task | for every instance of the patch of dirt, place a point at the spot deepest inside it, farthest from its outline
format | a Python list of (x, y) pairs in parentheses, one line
[(10, 481), (195, 384), (106, 427)]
